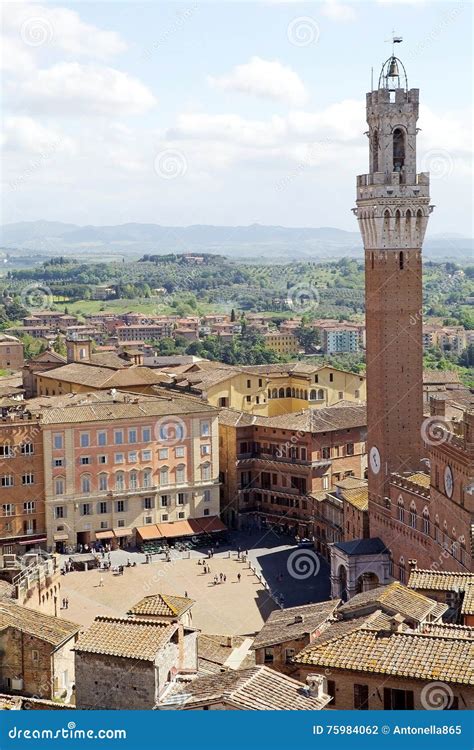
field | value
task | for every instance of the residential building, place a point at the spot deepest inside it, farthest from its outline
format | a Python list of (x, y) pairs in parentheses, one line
[(22, 509), (276, 470), (117, 464), (86, 371), (270, 390), (255, 689), (378, 666), (289, 631), (282, 343), (11, 353), (125, 664), (36, 653), (454, 589), (339, 339)]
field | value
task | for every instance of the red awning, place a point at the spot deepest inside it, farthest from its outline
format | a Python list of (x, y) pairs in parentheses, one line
[(207, 525)]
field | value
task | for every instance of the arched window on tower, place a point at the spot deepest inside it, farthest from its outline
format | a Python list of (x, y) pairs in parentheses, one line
[(398, 149), (375, 151)]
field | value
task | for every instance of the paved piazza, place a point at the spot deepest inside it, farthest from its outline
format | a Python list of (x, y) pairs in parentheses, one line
[(225, 608)]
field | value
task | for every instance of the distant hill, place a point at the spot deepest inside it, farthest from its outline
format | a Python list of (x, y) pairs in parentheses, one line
[(248, 242)]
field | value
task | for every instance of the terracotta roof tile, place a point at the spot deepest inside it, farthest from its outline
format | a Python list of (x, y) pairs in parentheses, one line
[(255, 689), (399, 654), (293, 623), (162, 605), (53, 630), (127, 638), (395, 598)]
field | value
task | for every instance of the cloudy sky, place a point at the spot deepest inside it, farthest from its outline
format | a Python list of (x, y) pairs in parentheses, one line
[(222, 113)]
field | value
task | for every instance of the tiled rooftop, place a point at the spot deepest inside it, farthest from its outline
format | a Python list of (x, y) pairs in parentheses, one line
[(395, 598), (405, 654), (436, 580), (255, 689), (53, 630), (161, 605), (127, 638), (293, 623)]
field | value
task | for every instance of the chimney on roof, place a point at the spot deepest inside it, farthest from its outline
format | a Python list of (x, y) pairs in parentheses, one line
[(437, 407), (316, 685), (229, 641), (396, 623), (412, 564), (299, 618)]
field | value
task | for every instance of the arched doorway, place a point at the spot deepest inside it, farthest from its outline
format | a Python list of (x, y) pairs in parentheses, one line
[(342, 576), (367, 581)]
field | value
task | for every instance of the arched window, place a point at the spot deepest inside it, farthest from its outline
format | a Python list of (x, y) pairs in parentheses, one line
[(313, 395), (398, 149), (147, 478), (413, 515), (386, 222), (375, 151), (293, 392), (320, 395), (206, 472), (281, 393), (103, 482), (288, 392), (120, 481), (164, 475), (59, 486), (133, 480), (398, 218), (180, 474), (274, 393), (401, 509), (85, 484), (419, 219), (426, 521)]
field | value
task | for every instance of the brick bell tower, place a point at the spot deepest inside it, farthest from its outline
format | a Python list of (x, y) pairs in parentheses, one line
[(392, 211)]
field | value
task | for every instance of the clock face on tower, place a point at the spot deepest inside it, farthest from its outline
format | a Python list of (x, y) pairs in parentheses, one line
[(374, 459), (448, 481)]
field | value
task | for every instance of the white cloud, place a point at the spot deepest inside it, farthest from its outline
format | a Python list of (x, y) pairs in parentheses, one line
[(41, 27), (268, 79), (27, 136), (15, 57), (338, 11), (229, 128), (72, 88)]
